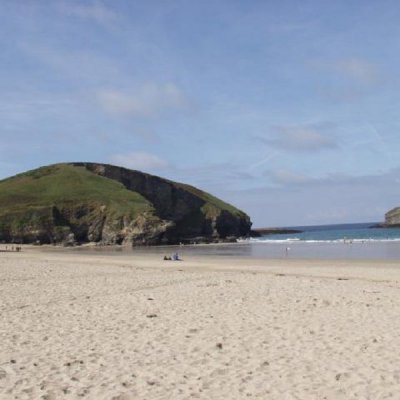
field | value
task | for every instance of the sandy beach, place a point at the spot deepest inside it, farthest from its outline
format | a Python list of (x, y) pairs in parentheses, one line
[(135, 327)]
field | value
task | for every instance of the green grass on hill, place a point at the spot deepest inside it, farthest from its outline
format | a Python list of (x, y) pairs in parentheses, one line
[(67, 185)]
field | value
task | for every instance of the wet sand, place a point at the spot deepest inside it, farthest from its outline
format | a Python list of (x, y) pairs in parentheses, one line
[(76, 325)]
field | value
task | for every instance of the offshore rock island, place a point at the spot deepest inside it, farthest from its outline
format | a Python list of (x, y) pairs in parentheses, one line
[(392, 218), (75, 203)]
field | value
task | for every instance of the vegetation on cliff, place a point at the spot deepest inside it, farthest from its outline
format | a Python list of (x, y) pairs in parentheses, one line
[(87, 202)]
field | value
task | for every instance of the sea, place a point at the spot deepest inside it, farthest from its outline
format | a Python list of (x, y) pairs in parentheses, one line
[(343, 241), (337, 242)]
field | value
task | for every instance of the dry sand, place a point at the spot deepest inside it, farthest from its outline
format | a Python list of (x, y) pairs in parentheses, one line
[(118, 327)]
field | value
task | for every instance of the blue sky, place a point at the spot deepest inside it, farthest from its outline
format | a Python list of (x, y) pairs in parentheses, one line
[(287, 109)]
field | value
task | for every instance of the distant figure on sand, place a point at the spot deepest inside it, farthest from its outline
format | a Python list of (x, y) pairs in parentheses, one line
[(175, 257), (287, 251)]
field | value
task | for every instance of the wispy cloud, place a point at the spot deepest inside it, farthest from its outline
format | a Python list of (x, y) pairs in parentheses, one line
[(358, 69), (77, 65), (285, 177), (306, 200), (265, 160), (94, 10), (352, 70), (301, 139), (147, 101), (213, 175), (139, 160), (349, 79)]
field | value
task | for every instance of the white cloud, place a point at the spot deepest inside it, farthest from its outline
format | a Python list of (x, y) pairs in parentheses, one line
[(94, 10), (139, 161), (149, 100), (301, 138)]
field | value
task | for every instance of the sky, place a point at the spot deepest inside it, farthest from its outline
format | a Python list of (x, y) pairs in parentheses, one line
[(287, 109)]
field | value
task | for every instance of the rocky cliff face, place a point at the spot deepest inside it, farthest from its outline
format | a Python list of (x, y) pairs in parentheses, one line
[(392, 217), (87, 202)]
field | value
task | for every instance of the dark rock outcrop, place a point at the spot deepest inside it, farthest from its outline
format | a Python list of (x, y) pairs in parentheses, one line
[(271, 231)]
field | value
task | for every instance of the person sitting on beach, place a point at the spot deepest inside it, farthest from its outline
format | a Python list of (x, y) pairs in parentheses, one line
[(175, 257)]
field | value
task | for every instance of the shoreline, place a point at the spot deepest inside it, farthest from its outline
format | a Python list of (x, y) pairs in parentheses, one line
[(376, 250)]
